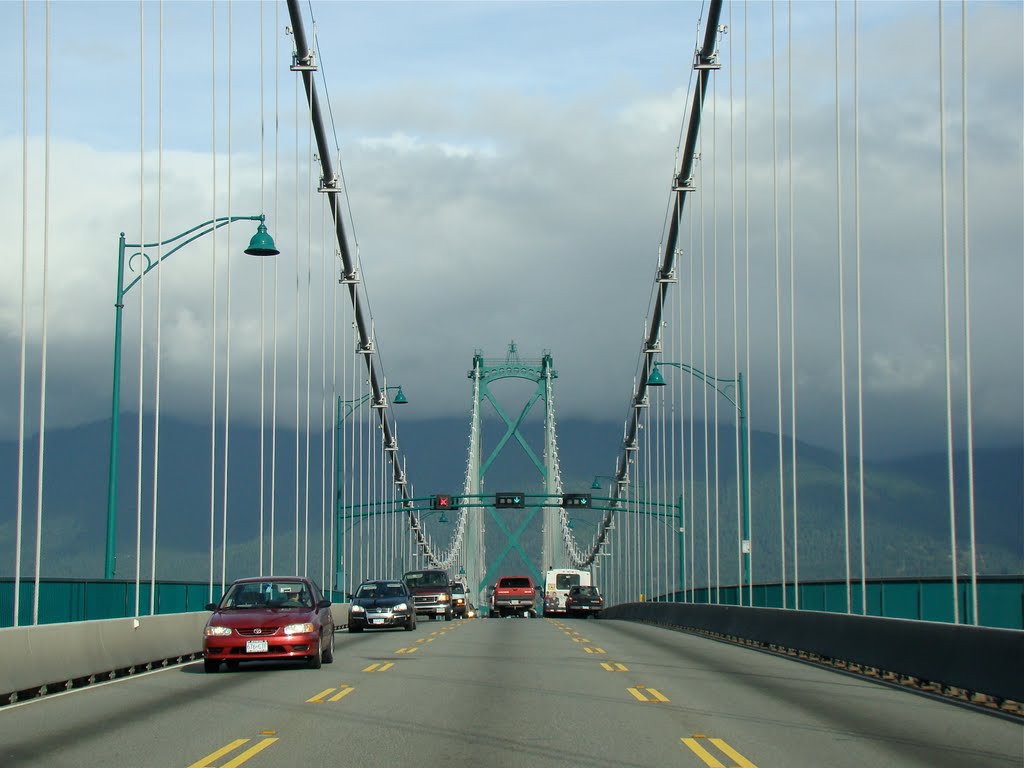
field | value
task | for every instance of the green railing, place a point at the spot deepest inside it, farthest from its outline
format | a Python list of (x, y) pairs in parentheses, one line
[(63, 600), (1000, 598)]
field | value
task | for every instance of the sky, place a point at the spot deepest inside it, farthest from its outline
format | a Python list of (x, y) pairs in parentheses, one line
[(507, 168)]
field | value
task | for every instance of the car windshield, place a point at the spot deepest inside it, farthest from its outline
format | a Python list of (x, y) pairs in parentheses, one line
[(267, 594), (567, 580), (515, 581), (426, 579), (588, 591), (376, 589)]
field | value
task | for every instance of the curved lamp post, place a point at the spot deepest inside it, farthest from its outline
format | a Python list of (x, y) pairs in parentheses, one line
[(261, 244), (345, 409), (722, 386)]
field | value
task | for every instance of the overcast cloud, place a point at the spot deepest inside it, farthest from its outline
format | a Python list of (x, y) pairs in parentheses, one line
[(508, 167)]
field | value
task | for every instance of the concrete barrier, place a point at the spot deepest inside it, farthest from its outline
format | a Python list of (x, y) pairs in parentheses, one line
[(977, 659), (58, 655)]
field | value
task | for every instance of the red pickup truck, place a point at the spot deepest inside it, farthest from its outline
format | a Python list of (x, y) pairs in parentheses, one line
[(514, 595)]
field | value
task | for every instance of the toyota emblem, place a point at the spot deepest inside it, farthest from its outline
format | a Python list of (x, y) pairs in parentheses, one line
[(257, 631)]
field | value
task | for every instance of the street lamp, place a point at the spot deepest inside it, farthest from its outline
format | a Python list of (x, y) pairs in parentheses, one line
[(345, 409), (261, 244), (722, 386)]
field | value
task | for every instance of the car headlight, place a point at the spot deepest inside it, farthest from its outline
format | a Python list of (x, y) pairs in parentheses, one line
[(217, 631), (299, 629), (358, 609), (401, 607), (443, 599)]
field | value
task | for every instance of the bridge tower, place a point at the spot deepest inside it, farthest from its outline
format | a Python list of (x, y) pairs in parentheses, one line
[(483, 373)]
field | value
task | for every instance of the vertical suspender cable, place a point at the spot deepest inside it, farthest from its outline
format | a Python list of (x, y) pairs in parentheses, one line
[(860, 335), (213, 289), (746, 313), (227, 331), (945, 321), (967, 314), (324, 427), (159, 306), (792, 320), (42, 373), (735, 319), (778, 320), (273, 354), (842, 325), (263, 306), (704, 366), (298, 400), (142, 299), (714, 319), (747, 299), (309, 348), (19, 518)]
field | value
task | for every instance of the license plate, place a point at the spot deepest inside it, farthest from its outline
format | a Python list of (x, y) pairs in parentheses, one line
[(377, 621), (513, 602), (439, 610), (256, 646)]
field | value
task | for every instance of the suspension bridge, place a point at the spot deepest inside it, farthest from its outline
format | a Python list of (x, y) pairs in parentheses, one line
[(762, 268)]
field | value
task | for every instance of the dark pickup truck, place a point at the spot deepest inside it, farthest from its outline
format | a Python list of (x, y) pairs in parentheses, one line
[(513, 596), (583, 601), (431, 593)]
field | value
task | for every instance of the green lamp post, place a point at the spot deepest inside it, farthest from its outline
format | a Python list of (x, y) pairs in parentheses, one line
[(721, 386), (261, 244)]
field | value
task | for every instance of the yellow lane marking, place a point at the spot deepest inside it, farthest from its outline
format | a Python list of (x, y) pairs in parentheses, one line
[(371, 668), (253, 750), (422, 640), (341, 694), (588, 649), (378, 667), (741, 761), (614, 666), (640, 692), (411, 649), (238, 760), (319, 697), (709, 759)]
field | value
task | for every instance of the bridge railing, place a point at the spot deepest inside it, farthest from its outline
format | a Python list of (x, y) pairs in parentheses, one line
[(64, 600), (1000, 598)]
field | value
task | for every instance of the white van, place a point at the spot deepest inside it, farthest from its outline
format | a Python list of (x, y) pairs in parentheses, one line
[(557, 583)]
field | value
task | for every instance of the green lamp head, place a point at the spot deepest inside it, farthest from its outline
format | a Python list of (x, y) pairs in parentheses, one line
[(262, 244), (596, 485), (656, 379), (400, 398)]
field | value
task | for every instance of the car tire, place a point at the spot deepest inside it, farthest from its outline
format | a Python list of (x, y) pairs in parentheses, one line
[(211, 666), (448, 616), (410, 625), (314, 661), (329, 655)]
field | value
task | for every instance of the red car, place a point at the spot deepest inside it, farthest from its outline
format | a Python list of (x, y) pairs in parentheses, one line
[(265, 618)]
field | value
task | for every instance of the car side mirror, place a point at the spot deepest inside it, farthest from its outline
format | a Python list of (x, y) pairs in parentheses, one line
[(349, 595), (210, 607), (323, 604)]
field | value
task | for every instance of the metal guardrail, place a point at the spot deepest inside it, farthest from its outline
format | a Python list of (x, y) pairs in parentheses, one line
[(979, 660), (1000, 598)]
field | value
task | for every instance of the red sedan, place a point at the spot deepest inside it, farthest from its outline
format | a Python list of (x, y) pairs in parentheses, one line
[(269, 618)]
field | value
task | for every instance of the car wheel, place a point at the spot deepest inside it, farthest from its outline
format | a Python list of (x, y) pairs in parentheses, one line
[(314, 661), (210, 665), (409, 625), (329, 655), (448, 617)]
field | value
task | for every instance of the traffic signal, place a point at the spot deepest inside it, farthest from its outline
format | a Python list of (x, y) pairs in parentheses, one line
[(443, 501), (509, 500), (576, 500)]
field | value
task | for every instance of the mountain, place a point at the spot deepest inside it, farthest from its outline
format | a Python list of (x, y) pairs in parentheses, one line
[(906, 501)]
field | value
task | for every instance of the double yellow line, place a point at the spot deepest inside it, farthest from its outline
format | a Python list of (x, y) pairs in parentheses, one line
[(696, 745), (325, 695), (259, 746)]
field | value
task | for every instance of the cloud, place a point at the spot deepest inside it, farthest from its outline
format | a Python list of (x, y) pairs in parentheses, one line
[(491, 210)]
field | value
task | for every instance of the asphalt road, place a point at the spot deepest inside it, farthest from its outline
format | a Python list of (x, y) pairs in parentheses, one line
[(507, 693)]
